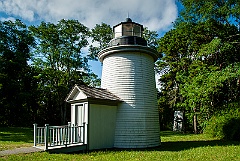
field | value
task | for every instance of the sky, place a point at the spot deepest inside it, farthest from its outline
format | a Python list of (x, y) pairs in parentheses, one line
[(157, 15)]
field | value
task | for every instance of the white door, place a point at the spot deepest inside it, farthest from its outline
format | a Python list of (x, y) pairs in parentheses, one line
[(80, 117), (79, 114), (77, 120)]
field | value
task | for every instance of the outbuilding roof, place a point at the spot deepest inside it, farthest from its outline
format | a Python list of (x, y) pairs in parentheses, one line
[(82, 92), (98, 93)]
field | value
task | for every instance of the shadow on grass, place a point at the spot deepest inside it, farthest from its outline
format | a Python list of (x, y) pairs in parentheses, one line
[(172, 145), (16, 134), (179, 146), (184, 145), (171, 133)]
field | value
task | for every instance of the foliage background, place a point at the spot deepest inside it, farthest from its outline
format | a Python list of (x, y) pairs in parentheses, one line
[(199, 65)]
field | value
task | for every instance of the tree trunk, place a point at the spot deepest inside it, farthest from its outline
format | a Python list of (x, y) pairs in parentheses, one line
[(195, 123)]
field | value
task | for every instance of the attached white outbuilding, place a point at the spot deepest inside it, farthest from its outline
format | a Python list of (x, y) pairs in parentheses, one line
[(97, 109)]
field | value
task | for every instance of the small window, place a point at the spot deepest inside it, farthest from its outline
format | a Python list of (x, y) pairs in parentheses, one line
[(127, 30), (118, 31), (137, 31)]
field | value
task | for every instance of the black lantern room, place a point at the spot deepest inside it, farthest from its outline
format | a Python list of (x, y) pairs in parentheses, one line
[(128, 33)]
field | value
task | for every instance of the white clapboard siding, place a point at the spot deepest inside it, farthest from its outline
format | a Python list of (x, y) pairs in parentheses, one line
[(130, 75), (101, 126)]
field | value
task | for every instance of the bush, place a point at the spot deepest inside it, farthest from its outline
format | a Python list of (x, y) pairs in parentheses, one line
[(225, 126)]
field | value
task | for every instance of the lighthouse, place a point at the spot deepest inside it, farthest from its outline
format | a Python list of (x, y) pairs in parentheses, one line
[(128, 73)]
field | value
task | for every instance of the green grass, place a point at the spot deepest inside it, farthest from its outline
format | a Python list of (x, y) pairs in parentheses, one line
[(11, 138), (175, 146)]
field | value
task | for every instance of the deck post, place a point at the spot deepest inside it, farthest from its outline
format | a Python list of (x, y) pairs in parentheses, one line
[(34, 135), (69, 132), (46, 136), (84, 126)]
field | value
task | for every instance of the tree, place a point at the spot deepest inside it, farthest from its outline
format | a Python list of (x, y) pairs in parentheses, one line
[(201, 56), (61, 64), (15, 74), (151, 37), (102, 35), (223, 11)]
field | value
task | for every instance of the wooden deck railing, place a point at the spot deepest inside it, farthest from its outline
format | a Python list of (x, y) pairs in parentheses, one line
[(51, 136)]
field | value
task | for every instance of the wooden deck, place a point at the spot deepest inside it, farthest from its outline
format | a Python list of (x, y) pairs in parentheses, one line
[(64, 149), (60, 139)]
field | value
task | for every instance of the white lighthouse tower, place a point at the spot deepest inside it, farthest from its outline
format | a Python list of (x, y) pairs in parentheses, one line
[(128, 72)]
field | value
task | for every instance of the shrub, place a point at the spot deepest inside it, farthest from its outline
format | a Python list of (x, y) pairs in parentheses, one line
[(225, 126)]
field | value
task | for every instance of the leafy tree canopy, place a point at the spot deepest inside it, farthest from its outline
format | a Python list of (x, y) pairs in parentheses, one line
[(15, 78), (61, 62), (201, 58), (101, 35)]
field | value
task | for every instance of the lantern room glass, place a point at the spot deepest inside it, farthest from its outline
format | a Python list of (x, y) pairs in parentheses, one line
[(127, 29)]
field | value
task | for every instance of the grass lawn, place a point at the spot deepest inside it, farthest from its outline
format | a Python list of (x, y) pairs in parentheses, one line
[(11, 138), (175, 146)]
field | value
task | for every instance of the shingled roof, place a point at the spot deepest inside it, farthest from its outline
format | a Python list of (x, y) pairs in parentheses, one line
[(98, 93), (91, 93)]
